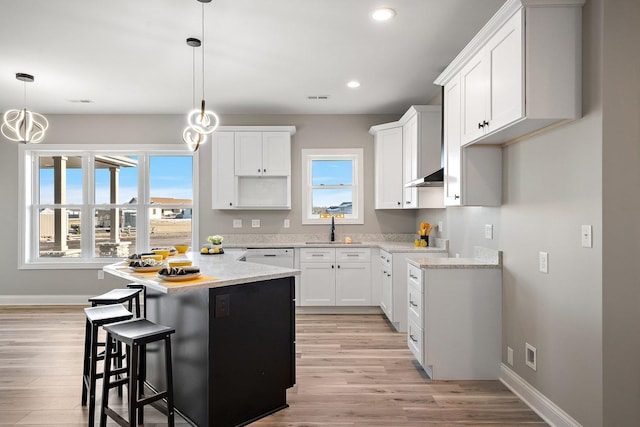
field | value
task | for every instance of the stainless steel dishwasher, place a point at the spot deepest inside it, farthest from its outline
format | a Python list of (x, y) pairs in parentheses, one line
[(280, 257)]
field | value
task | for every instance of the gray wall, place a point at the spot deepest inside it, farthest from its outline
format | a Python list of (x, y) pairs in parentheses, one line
[(552, 184), (312, 131), (321, 131), (621, 204)]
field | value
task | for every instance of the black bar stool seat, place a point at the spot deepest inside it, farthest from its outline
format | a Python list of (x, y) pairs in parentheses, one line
[(97, 317), (136, 334), (119, 296)]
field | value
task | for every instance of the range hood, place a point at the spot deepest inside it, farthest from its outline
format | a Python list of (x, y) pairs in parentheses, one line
[(436, 179)]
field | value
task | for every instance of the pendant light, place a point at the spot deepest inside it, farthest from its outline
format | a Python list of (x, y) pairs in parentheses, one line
[(24, 125), (201, 122)]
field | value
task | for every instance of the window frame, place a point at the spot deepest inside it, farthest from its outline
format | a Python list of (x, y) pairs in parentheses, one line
[(28, 190), (356, 155)]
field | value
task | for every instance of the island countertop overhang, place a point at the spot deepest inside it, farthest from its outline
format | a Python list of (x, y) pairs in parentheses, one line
[(225, 270)]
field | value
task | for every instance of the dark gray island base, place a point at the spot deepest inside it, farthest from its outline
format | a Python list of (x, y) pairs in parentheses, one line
[(233, 350)]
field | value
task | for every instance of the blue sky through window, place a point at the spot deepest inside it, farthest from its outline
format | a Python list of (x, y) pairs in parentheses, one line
[(170, 176)]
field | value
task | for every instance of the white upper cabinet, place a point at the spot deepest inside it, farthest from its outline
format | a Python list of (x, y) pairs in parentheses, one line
[(521, 72), (492, 83), (223, 174), (410, 161), (404, 151), (452, 126), (251, 167), (389, 185), (262, 153)]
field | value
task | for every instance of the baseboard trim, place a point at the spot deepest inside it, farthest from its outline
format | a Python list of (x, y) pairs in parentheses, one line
[(538, 402), (338, 310), (44, 299)]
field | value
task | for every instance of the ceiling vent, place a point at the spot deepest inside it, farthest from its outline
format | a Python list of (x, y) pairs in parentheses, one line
[(318, 97)]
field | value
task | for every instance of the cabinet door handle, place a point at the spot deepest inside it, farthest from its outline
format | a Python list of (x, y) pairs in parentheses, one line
[(399, 203), (338, 265), (456, 197), (333, 266), (412, 304), (412, 276), (230, 204), (413, 338), (485, 123), (258, 170), (480, 125), (388, 275), (407, 202), (316, 255), (264, 170), (352, 255)]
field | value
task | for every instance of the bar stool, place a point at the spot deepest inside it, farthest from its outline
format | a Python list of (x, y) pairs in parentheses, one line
[(119, 296), (96, 317), (135, 334)]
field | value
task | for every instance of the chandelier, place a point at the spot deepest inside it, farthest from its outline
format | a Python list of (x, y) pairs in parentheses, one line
[(200, 122), (24, 125)]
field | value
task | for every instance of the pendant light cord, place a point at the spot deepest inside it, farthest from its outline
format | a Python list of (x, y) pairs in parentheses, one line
[(203, 46)]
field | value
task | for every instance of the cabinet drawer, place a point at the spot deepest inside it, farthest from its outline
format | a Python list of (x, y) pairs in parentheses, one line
[(353, 255), (386, 261), (415, 305), (415, 341), (317, 255), (414, 277)]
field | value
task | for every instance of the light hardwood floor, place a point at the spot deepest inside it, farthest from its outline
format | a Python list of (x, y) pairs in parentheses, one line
[(351, 371)]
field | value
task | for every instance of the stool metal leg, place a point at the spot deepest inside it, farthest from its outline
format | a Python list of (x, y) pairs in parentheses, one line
[(105, 381), (85, 369), (133, 384), (92, 374), (169, 371)]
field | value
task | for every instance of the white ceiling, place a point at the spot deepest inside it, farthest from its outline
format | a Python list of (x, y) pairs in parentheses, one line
[(262, 56)]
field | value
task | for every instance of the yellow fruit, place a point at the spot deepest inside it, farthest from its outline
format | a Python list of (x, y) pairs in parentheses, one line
[(216, 250), (204, 251)]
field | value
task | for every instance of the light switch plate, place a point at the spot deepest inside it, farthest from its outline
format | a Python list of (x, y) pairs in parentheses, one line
[(587, 238), (488, 231), (440, 226), (237, 223), (544, 262), (287, 223), (255, 223)]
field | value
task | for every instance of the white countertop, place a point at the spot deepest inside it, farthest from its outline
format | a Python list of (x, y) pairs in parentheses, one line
[(224, 270), (483, 258), (440, 245)]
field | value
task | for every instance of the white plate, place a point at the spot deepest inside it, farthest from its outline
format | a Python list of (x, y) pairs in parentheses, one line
[(147, 269), (181, 278)]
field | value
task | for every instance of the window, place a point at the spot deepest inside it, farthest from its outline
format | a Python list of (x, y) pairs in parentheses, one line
[(83, 208), (332, 186)]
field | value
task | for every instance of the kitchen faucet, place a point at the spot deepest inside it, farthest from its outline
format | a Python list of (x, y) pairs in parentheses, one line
[(333, 230)]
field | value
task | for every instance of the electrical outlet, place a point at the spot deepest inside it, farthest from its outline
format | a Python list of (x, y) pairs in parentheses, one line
[(237, 223), (100, 274), (543, 262), (509, 355), (223, 303), (488, 231), (255, 223), (587, 238), (440, 226), (287, 223), (530, 356)]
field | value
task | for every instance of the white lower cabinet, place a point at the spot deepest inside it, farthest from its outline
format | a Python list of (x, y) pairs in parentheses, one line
[(455, 321), (335, 276), (393, 278)]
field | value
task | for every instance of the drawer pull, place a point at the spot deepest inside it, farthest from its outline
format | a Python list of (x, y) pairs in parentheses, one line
[(413, 304), (412, 338), (317, 255), (412, 276), (352, 255)]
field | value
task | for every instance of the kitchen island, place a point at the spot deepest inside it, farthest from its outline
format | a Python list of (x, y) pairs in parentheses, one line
[(234, 346)]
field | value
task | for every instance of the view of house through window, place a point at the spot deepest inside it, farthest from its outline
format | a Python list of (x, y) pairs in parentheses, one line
[(332, 186), (96, 205)]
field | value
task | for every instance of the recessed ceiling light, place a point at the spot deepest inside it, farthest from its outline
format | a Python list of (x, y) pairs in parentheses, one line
[(353, 84), (383, 14)]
